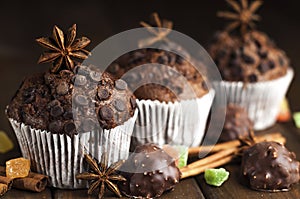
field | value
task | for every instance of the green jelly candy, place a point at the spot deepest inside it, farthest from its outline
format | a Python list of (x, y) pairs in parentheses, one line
[(5, 143), (296, 117), (216, 177), (179, 153)]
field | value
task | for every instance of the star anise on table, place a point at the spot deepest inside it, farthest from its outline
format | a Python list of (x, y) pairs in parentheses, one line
[(243, 16), (63, 48), (102, 176)]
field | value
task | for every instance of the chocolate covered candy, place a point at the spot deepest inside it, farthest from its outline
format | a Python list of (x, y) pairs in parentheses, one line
[(237, 124), (269, 166), (149, 172)]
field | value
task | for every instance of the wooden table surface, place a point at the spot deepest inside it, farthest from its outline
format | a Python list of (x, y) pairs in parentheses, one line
[(194, 188), (22, 22)]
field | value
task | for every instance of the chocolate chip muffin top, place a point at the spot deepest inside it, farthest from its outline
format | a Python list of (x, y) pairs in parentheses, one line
[(253, 57), (176, 80), (71, 102)]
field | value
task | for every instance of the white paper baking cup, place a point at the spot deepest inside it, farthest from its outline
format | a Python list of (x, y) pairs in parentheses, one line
[(178, 123), (61, 157), (261, 100)]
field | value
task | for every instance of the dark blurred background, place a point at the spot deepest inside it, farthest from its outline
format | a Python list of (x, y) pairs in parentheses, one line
[(23, 21)]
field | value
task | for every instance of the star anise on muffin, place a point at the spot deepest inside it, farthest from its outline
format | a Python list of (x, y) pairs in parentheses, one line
[(102, 176), (63, 48), (159, 34), (243, 16)]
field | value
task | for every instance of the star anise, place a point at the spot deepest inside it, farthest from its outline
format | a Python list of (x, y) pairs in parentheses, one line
[(243, 16), (102, 176), (63, 48), (160, 34)]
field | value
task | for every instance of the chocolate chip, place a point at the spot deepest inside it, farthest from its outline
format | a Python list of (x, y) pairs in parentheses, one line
[(70, 128), (68, 114), (120, 84), (28, 95), (55, 126), (281, 61), (113, 68), (132, 77), (252, 78), (95, 76), (106, 113), (119, 105), (62, 88), (263, 54), (271, 64), (247, 59), (257, 43), (56, 111), (263, 67), (133, 102), (220, 54), (163, 60), (233, 55), (80, 80), (53, 103), (103, 93), (171, 58), (136, 56), (88, 125), (81, 100), (179, 59), (235, 63)]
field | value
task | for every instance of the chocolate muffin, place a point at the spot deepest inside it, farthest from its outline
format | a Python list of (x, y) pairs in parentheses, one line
[(269, 166), (71, 102), (237, 124), (167, 86), (70, 110), (149, 172), (255, 71), (253, 57), (173, 96)]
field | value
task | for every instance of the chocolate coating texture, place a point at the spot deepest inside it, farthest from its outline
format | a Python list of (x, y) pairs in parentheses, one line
[(149, 171), (252, 58), (237, 124), (269, 166)]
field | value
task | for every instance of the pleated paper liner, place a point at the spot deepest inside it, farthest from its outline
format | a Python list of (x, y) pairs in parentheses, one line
[(261, 99), (178, 123), (61, 157)]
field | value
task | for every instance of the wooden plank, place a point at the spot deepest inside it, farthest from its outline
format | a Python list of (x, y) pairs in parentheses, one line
[(187, 188), (233, 189), (20, 194)]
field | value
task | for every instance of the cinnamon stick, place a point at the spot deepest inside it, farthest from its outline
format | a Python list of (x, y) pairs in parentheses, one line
[(231, 144), (5, 184), (33, 182), (211, 158), (3, 189), (196, 171)]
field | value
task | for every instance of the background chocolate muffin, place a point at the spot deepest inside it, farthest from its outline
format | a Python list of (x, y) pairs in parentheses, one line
[(251, 57), (168, 87)]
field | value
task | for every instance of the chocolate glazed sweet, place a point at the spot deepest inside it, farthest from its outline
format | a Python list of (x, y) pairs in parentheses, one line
[(269, 166), (149, 172)]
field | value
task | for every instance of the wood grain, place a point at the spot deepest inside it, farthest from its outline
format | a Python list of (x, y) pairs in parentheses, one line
[(187, 189)]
